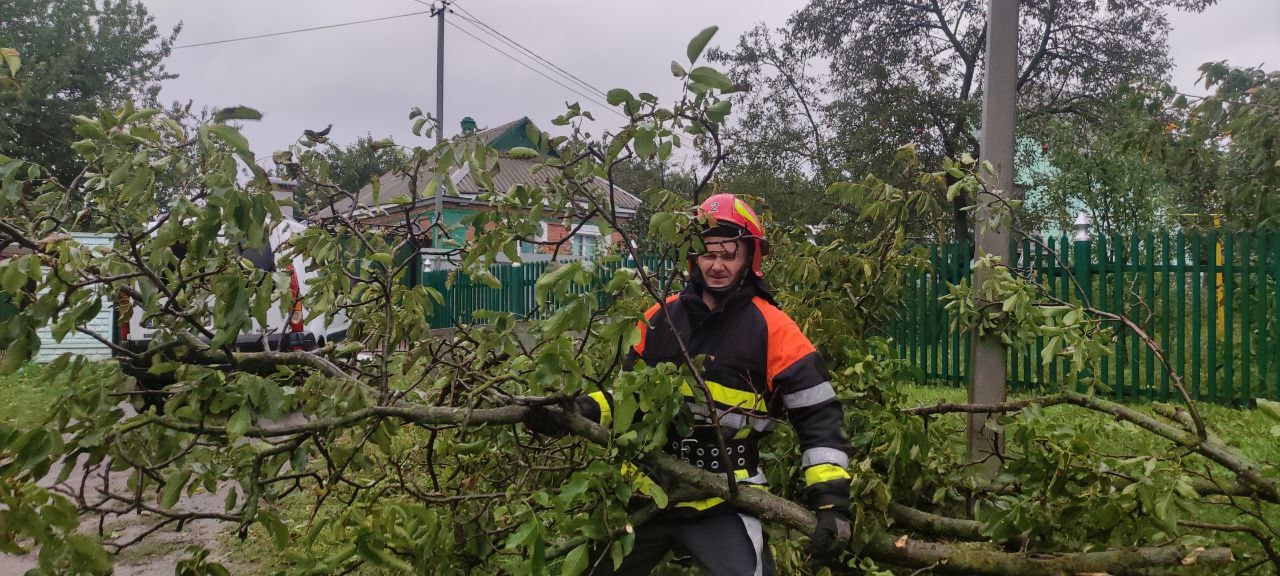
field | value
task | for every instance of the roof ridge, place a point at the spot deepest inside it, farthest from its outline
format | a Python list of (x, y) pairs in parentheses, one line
[(489, 134)]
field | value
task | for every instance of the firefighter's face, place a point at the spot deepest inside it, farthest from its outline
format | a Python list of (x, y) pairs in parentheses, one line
[(724, 262)]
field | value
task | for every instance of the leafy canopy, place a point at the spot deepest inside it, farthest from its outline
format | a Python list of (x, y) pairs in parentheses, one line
[(78, 55)]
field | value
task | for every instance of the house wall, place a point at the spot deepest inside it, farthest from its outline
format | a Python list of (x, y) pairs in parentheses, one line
[(75, 342), (556, 231), (453, 217)]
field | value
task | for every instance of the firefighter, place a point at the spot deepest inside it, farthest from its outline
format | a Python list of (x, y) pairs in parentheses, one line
[(759, 367)]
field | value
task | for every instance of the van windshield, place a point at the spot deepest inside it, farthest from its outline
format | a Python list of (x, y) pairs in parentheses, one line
[(261, 257)]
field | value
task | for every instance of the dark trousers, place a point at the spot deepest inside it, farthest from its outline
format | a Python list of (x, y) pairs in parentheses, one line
[(723, 544)]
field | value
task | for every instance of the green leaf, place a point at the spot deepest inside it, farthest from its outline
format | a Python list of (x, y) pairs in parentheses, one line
[(231, 136), (618, 96), (718, 111), (677, 70), (575, 562), (711, 77), (278, 531), (526, 532), (236, 113), (238, 424), (89, 556), (699, 43), (173, 486), (229, 502), (12, 60), (644, 144), (657, 493), (37, 445), (549, 280), (16, 356)]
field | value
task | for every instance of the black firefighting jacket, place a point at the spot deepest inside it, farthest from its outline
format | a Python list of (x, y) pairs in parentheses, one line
[(759, 368)]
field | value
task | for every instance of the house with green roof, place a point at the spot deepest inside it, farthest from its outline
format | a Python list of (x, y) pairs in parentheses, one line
[(461, 199)]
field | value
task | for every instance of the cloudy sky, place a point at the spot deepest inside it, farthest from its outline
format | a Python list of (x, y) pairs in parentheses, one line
[(364, 78)]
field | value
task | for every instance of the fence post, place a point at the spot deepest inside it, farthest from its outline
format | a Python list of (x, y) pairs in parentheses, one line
[(1083, 258), (1083, 270)]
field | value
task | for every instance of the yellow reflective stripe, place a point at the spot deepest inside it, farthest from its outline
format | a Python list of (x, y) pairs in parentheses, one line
[(701, 504), (728, 396), (824, 473), (606, 411), (706, 503), (742, 211)]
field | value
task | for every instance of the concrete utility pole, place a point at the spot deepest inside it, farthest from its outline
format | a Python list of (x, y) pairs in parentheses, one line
[(438, 216), (999, 114), (439, 14)]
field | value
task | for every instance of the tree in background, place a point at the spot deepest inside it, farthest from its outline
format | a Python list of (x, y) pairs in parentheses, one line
[(1155, 158), (351, 167), (1092, 167), (846, 81), (78, 55), (1227, 143), (652, 181)]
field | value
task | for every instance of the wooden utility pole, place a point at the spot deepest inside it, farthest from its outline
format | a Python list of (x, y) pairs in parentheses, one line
[(999, 114)]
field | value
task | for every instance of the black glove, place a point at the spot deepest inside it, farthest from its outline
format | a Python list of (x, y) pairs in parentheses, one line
[(541, 421), (831, 536)]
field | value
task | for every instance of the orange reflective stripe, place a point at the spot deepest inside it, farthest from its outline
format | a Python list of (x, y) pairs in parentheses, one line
[(643, 325), (787, 344)]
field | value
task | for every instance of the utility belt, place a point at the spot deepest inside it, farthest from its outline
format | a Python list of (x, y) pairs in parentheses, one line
[(700, 449)]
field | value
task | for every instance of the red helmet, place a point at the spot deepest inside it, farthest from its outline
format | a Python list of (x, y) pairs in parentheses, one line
[(727, 209)]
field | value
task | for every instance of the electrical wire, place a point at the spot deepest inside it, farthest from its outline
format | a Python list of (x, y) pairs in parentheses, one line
[(286, 32), (510, 42), (593, 99), (500, 37)]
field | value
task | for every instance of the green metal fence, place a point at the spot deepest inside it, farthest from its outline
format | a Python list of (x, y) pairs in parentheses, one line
[(516, 295), (1209, 300)]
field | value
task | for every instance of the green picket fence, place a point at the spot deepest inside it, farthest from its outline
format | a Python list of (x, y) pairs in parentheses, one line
[(516, 295), (1209, 300)]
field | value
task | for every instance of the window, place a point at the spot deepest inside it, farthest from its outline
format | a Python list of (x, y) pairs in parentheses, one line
[(586, 242), (584, 245), (530, 247)]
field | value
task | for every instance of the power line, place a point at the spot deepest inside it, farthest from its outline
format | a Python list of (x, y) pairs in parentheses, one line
[(286, 32), (496, 35), (593, 99), (471, 18), (510, 42)]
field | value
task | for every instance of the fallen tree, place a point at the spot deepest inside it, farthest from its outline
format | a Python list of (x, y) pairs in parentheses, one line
[(405, 446)]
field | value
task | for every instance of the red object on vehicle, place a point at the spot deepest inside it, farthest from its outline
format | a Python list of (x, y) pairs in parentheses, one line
[(296, 316), (123, 303)]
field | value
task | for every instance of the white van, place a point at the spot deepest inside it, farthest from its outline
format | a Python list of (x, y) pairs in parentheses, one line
[(282, 333)]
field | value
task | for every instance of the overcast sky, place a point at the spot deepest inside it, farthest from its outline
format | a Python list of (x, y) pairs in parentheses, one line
[(364, 78)]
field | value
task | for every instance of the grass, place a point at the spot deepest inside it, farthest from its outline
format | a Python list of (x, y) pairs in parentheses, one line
[(25, 401), (1247, 430)]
